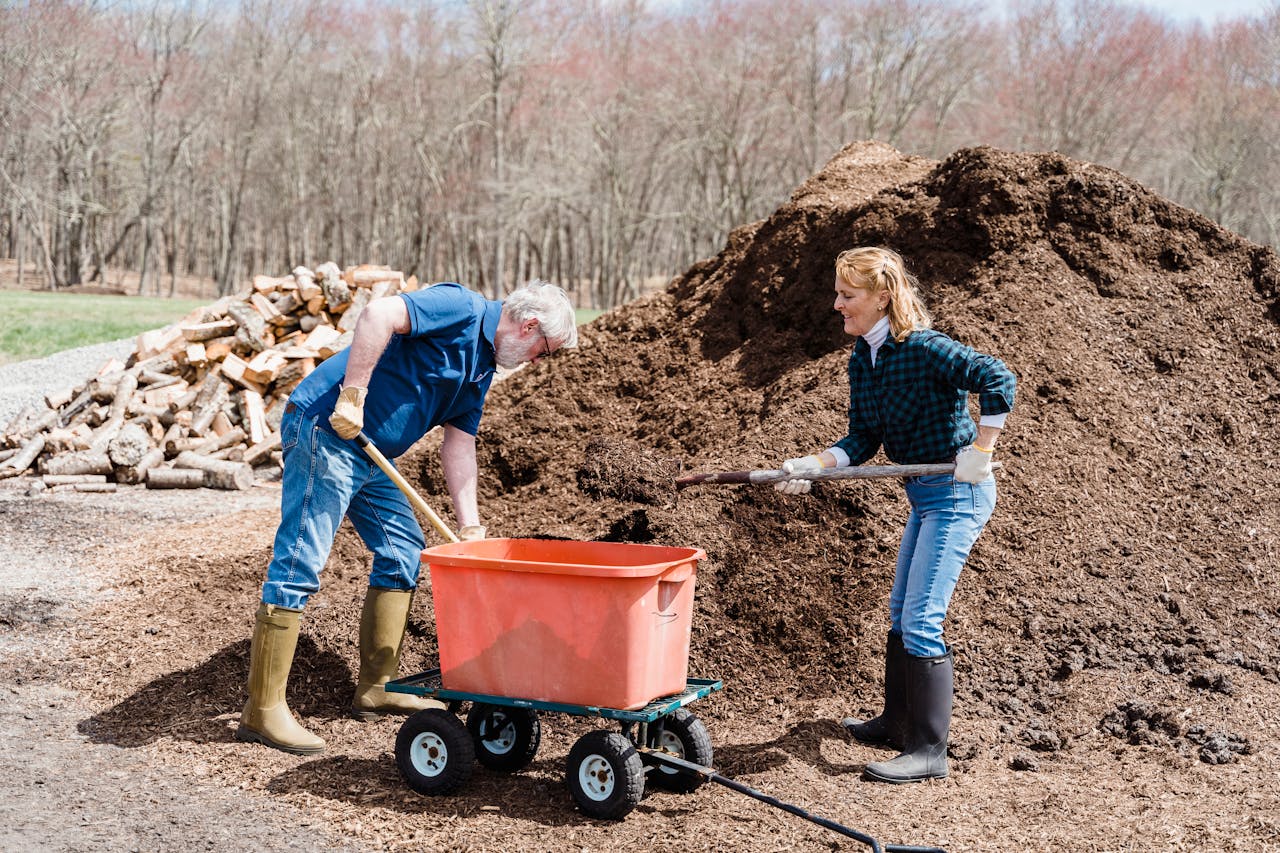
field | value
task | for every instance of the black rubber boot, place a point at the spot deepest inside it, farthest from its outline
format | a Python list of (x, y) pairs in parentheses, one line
[(888, 729), (929, 691)]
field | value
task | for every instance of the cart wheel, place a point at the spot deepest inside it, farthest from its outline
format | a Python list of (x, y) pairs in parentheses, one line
[(684, 736), (605, 775), (434, 752), (506, 739)]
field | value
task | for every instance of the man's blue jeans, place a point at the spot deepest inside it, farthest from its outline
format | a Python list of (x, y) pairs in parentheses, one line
[(326, 477), (946, 519)]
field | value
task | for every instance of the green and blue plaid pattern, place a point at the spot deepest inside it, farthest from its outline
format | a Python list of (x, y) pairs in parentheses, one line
[(914, 401)]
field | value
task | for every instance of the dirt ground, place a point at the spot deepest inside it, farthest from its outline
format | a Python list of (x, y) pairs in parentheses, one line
[(1116, 631)]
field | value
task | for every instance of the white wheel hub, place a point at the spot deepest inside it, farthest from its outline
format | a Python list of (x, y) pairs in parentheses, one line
[(595, 777), (498, 734), (429, 754), (668, 742)]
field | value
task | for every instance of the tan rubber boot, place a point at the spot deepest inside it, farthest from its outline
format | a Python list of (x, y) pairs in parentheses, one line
[(266, 718), (382, 624)]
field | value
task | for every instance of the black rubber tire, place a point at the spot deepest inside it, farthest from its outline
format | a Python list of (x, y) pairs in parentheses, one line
[(685, 736), (605, 775), (434, 752), (506, 738)]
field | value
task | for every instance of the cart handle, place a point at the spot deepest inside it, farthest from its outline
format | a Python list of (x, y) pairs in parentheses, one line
[(709, 774)]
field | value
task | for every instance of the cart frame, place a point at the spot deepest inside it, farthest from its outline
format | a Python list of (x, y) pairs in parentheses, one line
[(605, 770)]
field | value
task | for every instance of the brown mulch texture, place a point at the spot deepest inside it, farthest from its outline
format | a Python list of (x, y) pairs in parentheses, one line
[(1117, 630)]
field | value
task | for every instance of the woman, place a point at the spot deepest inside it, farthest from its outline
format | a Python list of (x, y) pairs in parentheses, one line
[(908, 392)]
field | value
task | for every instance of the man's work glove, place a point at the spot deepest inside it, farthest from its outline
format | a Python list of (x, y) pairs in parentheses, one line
[(973, 464), (348, 413), (801, 465), (472, 532)]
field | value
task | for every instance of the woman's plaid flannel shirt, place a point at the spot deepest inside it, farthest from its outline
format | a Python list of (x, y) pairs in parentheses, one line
[(914, 401)]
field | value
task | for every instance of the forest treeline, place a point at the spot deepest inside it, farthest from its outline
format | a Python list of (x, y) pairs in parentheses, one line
[(602, 144)]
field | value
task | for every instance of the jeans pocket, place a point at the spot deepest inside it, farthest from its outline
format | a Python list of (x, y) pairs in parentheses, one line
[(290, 430)]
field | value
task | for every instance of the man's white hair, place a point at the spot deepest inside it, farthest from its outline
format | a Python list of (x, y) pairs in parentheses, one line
[(550, 305)]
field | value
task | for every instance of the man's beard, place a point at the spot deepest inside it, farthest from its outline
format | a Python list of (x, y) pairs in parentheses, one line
[(510, 353)]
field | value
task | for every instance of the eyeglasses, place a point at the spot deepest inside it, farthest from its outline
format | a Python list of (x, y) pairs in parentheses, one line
[(546, 353)]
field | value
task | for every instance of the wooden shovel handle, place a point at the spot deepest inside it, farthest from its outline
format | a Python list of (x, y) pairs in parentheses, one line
[(853, 472), (403, 485)]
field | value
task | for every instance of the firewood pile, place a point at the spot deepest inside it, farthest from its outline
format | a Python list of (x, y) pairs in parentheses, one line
[(199, 402)]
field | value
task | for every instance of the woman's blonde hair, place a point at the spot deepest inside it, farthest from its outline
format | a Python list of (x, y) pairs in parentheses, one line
[(875, 269)]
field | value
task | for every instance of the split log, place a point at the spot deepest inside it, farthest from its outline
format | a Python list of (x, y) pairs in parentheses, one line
[(94, 487), (174, 446), (128, 446), (253, 413), (216, 351), (175, 478), (330, 350), (115, 417), (218, 442), (70, 479), (307, 287), (81, 462), (5, 454), (111, 365), (184, 402), (134, 474), (59, 399), (195, 354), (264, 366), (68, 413), (83, 487), (219, 474), (22, 460), (250, 327), (200, 332), (235, 369), (351, 316), (336, 292), (264, 307), (59, 440), (285, 304), (154, 379), (261, 451), (221, 424), (164, 363), (231, 454), (202, 417), (159, 342)]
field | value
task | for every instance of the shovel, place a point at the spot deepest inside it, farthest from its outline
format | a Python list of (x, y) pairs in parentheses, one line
[(403, 485), (852, 472)]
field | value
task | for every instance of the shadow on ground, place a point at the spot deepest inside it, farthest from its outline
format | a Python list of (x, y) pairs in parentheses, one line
[(186, 704)]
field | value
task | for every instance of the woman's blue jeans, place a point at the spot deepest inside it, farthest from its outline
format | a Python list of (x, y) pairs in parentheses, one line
[(325, 478), (946, 518)]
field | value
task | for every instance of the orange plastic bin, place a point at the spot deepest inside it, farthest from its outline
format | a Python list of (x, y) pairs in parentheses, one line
[(601, 624)]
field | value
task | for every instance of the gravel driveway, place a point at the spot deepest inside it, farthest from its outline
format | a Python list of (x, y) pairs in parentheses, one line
[(59, 791)]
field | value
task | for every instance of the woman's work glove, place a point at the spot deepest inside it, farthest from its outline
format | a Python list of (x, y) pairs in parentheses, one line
[(973, 464), (348, 413), (810, 464), (472, 532)]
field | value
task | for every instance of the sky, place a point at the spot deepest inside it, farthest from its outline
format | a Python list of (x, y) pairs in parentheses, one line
[(1208, 11)]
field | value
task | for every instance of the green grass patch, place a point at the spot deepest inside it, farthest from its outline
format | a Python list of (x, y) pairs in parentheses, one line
[(34, 324), (586, 315)]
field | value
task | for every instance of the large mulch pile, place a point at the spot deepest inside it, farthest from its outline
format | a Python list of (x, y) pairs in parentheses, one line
[(1123, 596)]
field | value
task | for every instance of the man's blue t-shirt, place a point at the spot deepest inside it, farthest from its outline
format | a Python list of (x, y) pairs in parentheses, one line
[(439, 373)]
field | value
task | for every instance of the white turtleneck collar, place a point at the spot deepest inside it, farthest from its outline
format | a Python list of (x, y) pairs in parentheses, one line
[(878, 335)]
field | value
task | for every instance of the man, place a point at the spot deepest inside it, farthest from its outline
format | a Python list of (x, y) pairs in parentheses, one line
[(417, 361)]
